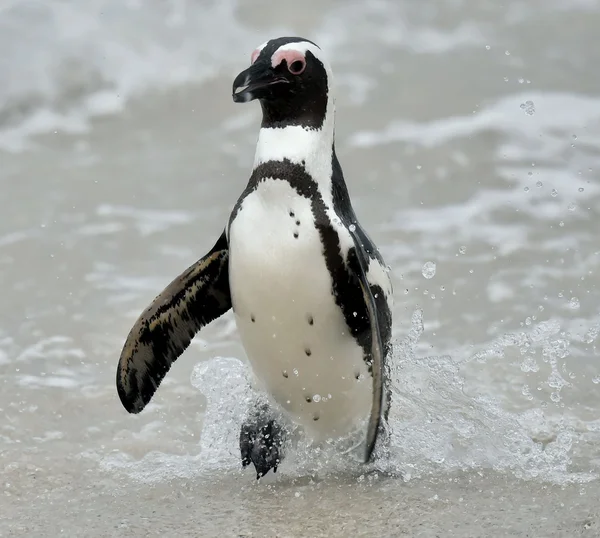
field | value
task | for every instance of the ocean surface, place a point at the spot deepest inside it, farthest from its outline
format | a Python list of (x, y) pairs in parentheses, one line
[(469, 134)]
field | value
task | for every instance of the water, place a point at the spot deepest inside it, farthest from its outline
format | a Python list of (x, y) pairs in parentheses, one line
[(470, 137)]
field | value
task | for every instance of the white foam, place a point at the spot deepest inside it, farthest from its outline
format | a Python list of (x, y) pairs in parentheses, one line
[(52, 347), (34, 381), (555, 114), (69, 62), (147, 221)]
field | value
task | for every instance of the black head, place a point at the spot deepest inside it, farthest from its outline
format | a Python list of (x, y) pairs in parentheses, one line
[(290, 78)]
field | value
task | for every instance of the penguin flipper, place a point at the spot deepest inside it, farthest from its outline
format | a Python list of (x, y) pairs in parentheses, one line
[(167, 326), (358, 260)]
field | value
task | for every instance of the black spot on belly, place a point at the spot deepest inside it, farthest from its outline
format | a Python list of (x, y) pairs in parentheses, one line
[(308, 399), (316, 417), (308, 352), (252, 318), (284, 374), (296, 235), (356, 375), (310, 319), (292, 214), (297, 223)]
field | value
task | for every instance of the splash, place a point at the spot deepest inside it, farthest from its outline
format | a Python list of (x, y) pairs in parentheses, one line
[(436, 426)]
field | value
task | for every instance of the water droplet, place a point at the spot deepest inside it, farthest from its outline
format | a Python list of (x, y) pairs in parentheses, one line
[(530, 365), (506, 53), (462, 250), (581, 189), (539, 184), (591, 335), (526, 391), (526, 189), (596, 380), (316, 398), (572, 207), (352, 228), (574, 303), (528, 107), (487, 47), (554, 193), (429, 270), (561, 223)]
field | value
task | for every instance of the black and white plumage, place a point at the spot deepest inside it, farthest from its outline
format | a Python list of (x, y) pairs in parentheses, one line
[(311, 294)]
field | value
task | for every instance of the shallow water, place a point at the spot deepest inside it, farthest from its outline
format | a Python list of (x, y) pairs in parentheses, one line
[(469, 134)]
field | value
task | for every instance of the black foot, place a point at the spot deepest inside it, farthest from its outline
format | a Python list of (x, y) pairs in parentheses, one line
[(261, 442)]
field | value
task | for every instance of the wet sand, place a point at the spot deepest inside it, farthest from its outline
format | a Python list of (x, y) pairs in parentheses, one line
[(472, 505)]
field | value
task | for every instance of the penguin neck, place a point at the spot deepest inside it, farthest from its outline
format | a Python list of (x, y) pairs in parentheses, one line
[(303, 144)]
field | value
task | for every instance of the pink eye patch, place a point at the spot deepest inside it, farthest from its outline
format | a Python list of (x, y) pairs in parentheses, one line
[(292, 57)]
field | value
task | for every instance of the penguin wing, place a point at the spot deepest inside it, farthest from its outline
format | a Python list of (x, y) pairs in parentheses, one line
[(165, 329), (359, 261)]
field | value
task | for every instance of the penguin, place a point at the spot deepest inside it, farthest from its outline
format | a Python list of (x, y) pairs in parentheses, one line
[(310, 292)]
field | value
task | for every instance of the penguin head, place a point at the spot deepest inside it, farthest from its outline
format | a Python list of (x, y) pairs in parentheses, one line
[(291, 79)]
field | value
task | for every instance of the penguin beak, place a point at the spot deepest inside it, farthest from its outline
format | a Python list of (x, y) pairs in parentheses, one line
[(255, 83)]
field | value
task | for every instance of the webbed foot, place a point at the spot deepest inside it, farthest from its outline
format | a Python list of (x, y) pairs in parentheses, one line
[(261, 441)]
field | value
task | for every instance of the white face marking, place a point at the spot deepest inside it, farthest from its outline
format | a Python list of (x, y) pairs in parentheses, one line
[(257, 52), (311, 147)]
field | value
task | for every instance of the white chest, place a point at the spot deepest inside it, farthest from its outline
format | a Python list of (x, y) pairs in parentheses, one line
[(294, 334)]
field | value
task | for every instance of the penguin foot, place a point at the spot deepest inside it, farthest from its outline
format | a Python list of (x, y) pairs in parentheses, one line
[(261, 442)]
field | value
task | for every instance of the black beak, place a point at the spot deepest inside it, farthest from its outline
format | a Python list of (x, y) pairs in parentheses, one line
[(255, 82)]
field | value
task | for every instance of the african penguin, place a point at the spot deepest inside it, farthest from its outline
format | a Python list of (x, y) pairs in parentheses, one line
[(310, 292)]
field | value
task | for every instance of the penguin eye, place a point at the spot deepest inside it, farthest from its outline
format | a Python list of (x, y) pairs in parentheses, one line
[(297, 67)]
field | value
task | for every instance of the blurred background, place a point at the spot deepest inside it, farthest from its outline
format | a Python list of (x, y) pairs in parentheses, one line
[(469, 134)]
